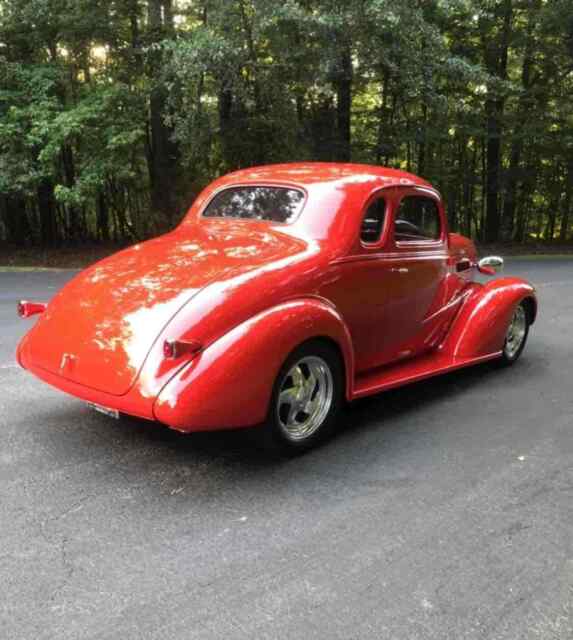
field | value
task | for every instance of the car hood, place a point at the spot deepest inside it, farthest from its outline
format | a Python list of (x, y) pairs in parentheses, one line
[(98, 330)]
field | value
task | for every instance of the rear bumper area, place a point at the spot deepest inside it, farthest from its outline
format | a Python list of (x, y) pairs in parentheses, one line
[(132, 403)]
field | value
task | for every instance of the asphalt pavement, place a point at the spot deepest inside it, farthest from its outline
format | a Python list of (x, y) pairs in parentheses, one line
[(441, 510)]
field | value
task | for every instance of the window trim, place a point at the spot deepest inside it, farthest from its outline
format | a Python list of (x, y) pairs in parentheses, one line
[(377, 195), (378, 240), (433, 242), (254, 185)]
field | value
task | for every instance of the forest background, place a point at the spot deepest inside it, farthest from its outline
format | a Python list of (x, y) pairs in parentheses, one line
[(114, 114)]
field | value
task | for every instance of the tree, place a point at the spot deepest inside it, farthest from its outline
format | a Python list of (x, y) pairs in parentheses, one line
[(113, 115)]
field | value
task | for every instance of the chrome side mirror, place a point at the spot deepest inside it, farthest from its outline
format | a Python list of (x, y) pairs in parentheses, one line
[(490, 265)]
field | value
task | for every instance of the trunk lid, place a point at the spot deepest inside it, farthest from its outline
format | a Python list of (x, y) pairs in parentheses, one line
[(98, 330)]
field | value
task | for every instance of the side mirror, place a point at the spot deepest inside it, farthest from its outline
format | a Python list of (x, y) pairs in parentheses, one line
[(490, 265)]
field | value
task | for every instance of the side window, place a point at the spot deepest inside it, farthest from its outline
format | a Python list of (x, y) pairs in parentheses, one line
[(373, 222), (417, 219)]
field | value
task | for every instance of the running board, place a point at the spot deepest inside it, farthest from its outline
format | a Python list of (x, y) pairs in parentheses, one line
[(411, 370)]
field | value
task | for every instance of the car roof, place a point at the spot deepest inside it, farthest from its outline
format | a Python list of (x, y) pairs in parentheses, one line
[(310, 173)]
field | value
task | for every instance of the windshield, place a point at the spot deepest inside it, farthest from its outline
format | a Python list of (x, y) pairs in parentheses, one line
[(275, 204)]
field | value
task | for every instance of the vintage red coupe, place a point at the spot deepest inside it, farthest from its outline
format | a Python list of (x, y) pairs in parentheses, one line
[(285, 291)]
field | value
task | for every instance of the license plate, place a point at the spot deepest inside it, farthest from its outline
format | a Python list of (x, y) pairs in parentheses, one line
[(112, 413)]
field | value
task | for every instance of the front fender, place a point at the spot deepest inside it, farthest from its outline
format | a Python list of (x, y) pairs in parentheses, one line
[(479, 328), (229, 384)]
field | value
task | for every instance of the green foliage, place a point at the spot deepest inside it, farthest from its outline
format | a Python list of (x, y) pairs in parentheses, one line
[(27, 108), (113, 113)]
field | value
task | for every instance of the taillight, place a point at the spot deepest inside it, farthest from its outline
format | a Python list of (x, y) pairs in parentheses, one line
[(27, 309), (169, 349), (173, 349)]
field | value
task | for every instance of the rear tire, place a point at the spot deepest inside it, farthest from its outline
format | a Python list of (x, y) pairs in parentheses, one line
[(306, 399), (516, 336)]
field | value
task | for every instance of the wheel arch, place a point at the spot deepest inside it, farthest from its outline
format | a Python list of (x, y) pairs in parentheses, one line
[(337, 349), (229, 384), (530, 303), (481, 324)]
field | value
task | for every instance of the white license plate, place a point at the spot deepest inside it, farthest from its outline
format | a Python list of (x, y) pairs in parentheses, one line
[(112, 413)]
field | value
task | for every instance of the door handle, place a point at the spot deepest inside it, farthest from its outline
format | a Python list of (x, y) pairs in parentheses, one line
[(400, 270)]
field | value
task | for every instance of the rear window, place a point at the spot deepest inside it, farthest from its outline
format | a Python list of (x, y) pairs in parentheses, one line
[(275, 204)]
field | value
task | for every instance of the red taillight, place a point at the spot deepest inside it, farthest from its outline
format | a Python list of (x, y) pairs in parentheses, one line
[(173, 349), (27, 309)]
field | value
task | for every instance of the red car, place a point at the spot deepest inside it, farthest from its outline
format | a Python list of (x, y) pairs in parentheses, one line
[(285, 291)]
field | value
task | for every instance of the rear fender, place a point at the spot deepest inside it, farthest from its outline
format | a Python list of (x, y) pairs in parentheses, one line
[(229, 384), (481, 324)]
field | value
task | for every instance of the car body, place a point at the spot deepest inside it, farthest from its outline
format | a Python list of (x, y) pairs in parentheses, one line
[(192, 328)]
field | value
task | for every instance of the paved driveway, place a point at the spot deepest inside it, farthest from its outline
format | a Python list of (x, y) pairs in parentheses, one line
[(442, 510)]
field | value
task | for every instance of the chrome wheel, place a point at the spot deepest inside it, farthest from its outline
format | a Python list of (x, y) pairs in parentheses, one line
[(516, 333), (305, 398)]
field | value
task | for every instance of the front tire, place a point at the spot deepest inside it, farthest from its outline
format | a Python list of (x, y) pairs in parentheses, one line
[(516, 336), (306, 399)]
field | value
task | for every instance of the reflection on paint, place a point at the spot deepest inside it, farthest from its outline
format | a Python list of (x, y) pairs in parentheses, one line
[(110, 315)]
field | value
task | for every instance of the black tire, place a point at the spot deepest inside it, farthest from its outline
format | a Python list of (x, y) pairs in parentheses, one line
[(275, 434), (511, 353)]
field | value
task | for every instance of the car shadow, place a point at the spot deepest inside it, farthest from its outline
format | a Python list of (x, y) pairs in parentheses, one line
[(381, 411), (369, 428)]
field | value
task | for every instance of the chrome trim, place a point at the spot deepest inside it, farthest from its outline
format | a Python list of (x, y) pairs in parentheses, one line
[(305, 398), (515, 333), (393, 257), (491, 262)]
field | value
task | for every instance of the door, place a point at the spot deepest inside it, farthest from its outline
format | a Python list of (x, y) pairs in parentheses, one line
[(420, 274), (391, 289)]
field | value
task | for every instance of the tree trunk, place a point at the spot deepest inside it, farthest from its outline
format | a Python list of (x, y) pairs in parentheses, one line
[(567, 200), (133, 9), (168, 18), (225, 104), (493, 163), (68, 165), (15, 219), (496, 53), (163, 152), (47, 209), (523, 112), (422, 134), (525, 196), (344, 104), (382, 118), (102, 216)]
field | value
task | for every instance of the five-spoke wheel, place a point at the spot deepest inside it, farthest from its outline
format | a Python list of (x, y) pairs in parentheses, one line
[(308, 391), (306, 398), (516, 335)]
